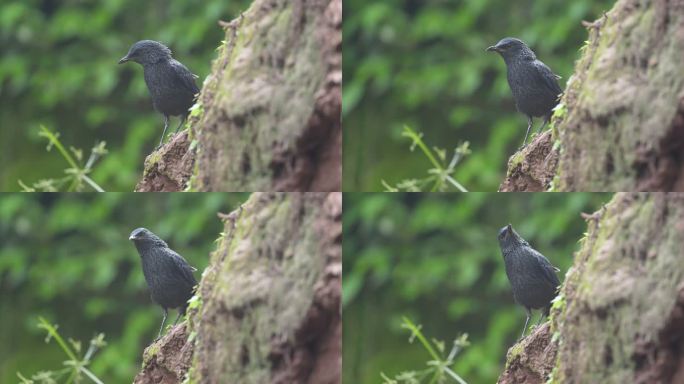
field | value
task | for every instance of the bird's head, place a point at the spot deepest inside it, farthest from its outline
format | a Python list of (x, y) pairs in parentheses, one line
[(144, 235), (147, 52), (510, 47), (509, 237)]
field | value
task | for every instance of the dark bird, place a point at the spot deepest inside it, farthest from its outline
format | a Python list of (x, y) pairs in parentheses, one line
[(171, 85), (535, 88), (532, 277), (168, 275)]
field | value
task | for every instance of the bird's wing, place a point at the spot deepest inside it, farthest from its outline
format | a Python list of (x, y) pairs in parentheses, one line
[(549, 79), (185, 269), (548, 269), (187, 78)]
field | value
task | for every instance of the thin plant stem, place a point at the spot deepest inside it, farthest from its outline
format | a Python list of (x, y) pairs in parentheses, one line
[(454, 375), (93, 184), (92, 376), (75, 364), (53, 333), (419, 141), (55, 141), (456, 184), (439, 367), (77, 174), (418, 334), (439, 176)]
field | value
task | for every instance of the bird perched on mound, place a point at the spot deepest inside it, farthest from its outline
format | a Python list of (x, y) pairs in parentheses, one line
[(535, 88), (169, 277), (171, 85), (532, 277)]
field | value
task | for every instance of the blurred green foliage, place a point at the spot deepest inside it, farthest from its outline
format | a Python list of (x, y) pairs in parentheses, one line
[(435, 259), (59, 68), (67, 257), (423, 63)]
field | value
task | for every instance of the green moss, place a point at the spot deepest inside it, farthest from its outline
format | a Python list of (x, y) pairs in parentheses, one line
[(553, 376), (553, 185), (263, 99), (557, 308), (624, 279), (191, 375), (513, 352), (151, 160), (150, 353), (614, 123), (268, 251), (192, 181), (196, 111), (515, 160)]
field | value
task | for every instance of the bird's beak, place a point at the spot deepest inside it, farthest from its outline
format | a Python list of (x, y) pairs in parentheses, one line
[(123, 59), (492, 48), (509, 227), (131, 237)]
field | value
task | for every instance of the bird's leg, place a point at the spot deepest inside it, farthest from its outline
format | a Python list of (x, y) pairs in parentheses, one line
[(166, 125), (529, 125), (529, 314), (545, 313), (166, 312), (181, 123), (180, 313), (547, 118)]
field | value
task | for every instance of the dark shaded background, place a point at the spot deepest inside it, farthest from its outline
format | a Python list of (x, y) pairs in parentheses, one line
[(423, 63), (67, 257), (435, 258), (58, 67)]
